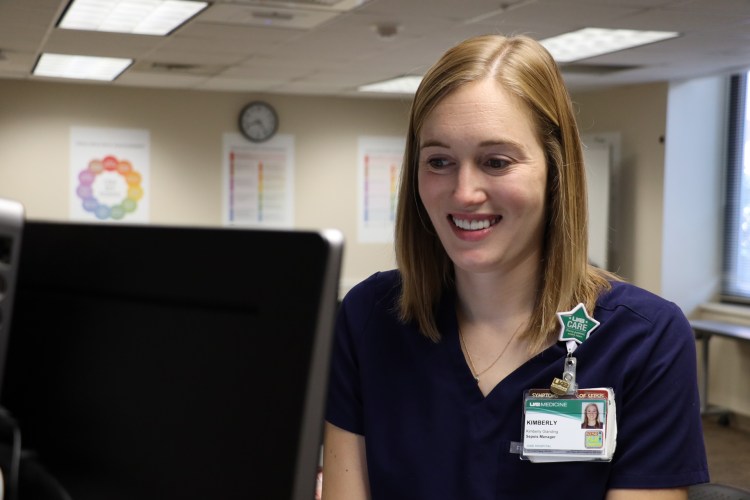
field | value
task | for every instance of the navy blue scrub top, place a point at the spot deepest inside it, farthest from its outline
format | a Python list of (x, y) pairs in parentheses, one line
[(431, 434)]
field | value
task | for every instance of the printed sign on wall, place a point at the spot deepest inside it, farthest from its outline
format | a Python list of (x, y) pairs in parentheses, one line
[(109, 174), (378, 179), (258, 182)]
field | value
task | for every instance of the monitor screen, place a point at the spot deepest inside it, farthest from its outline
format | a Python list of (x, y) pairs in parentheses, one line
[(156, 362)]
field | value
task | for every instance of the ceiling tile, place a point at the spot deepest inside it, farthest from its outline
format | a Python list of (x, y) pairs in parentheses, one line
[(325, 51)]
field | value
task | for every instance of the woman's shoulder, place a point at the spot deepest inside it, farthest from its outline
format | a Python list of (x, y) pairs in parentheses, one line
[(638, 302), (378, 287), (372, 304)]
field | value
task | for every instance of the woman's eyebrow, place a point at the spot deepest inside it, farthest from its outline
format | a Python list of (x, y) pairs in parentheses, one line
[(502, 142), (491, 142), (432, 143)]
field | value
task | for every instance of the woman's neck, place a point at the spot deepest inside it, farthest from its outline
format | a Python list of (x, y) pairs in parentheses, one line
[(495, 298)]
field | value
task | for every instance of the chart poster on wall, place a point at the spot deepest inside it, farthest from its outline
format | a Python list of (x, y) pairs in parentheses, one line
[(377, 179), (109, 174), (258, 181)]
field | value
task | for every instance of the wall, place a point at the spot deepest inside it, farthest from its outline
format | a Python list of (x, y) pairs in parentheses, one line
[(186, 130), (693, 184), (638, 113)]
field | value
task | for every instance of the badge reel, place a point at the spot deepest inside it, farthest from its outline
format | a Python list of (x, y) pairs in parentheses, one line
[(576, 326)]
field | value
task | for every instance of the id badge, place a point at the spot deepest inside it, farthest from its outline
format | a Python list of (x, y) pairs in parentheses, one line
[(581, 426)]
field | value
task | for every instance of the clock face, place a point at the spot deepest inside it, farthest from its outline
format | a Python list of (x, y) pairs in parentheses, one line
[(258, 121)]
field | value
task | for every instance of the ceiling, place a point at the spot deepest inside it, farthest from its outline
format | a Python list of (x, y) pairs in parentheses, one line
[(329, 47)]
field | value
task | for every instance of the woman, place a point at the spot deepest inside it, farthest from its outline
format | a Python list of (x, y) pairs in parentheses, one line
[(591, 417), (431, 361)]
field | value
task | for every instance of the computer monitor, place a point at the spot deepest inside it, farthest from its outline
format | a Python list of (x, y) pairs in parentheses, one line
[(11, 227), (150, 362)]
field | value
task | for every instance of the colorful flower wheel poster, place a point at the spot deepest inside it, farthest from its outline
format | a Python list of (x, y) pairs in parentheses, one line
[(109, 188)]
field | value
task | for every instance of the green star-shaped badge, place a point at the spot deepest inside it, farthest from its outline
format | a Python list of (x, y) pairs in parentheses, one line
[(576, 324)]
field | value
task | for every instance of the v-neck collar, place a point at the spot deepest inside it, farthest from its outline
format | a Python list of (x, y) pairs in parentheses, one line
[(460, 370)]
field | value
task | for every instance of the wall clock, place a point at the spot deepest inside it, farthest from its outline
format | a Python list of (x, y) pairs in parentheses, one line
[(258, 121)]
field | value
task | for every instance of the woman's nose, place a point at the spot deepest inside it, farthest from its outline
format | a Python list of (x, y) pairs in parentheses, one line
[(470, 185)]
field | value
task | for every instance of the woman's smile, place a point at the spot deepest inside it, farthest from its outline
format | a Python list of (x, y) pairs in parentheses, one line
[(475, 222)]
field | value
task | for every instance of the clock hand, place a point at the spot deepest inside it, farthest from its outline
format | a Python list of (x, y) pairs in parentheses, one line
[(259, 123)]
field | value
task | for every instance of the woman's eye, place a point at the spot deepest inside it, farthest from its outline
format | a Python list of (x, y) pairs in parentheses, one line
[(438, 163), (497, 163)]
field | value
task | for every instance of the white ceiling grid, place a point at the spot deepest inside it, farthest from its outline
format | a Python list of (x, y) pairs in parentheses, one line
[(330, 47)]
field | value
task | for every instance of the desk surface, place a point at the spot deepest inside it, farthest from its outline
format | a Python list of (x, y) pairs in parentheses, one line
[(708, 327)]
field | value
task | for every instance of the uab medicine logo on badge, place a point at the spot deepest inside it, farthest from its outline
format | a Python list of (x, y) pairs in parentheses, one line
[(576, 324)]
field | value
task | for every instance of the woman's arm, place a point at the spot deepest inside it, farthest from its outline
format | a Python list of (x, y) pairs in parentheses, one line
[(671, 494), (344, 465)]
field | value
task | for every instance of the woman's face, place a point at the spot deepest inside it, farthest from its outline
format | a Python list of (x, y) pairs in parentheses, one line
[(482, 178), (592, 413)]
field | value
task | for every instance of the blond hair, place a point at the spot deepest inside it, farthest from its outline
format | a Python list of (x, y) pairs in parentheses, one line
[(524, 68)]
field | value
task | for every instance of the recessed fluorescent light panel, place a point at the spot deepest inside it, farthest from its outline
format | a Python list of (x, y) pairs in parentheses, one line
[(590, 42), (140, 17), (81, 67), (400, 85)]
